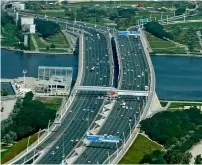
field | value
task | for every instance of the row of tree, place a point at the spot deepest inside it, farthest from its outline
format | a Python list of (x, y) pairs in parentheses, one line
[(4, 92), (178, 131), (84, 13), (27, 117), (46, 28), (157, 30), (170, 157), (169, 127)]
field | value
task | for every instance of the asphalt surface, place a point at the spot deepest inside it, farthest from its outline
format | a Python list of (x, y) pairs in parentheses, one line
[(122, 120), (86, 105)]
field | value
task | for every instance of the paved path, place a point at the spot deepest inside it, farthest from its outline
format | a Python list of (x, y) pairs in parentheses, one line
[(35, 43), (196, 150), (8, 108)]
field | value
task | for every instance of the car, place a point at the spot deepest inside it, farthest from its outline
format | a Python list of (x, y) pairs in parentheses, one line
[(92, 69)]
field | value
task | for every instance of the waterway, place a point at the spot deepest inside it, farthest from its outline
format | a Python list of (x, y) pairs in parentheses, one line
[(177, 78)]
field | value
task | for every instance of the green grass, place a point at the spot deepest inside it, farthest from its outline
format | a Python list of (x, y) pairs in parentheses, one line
[(156, 42), (173, 51), (32, 45), (162, 46), (17, 148), (182, 104), (39, 42), (52, 106), (58, 40), (186, 35), (51, 102), (147, 14), (6, 150), (185, 25), (122, 3), (139, 148)]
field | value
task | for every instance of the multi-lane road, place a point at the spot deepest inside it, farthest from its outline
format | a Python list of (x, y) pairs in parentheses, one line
[(134, 75), (123, 119)]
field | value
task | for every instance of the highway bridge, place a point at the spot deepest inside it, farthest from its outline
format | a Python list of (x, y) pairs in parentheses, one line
[(65, 140)]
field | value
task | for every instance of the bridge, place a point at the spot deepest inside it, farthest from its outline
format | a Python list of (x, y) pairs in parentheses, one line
[(63, 143)]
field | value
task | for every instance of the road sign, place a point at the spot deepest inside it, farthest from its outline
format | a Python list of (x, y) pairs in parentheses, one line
[(134, 33), (123, 33), (100, 138)]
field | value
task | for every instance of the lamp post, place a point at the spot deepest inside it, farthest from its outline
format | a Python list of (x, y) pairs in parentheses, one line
[(24, 72)]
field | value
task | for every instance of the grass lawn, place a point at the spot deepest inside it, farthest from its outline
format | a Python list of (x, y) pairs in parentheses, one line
[(147, 14), (162, 46), (182, 104), (156, 42), (51, 102), (122, 3), (17, 148), (58, 40), (186, 35), (4, 149), (39, 42), (184, 25), (32, 45), (139, 148)]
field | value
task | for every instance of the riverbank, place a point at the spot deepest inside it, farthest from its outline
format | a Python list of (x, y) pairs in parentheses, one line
[(177, 55), (33, 52)]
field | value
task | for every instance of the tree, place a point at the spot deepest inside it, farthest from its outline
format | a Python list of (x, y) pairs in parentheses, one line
[(156, 157), (157, 29), (28, 97), (180, 11), (198, 159), (7, 139), (4, 92), (13, 135), (47, 47), (186, 158), (52, 46), (46, 28)]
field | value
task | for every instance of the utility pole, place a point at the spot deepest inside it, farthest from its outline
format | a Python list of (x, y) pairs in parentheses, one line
[(75, 17), (17, 18), (28, 143), (161, 16), (124, 139), (130, 128), (108, 157), (117, 148), (24, 72), (48, 125), (38, 135)]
